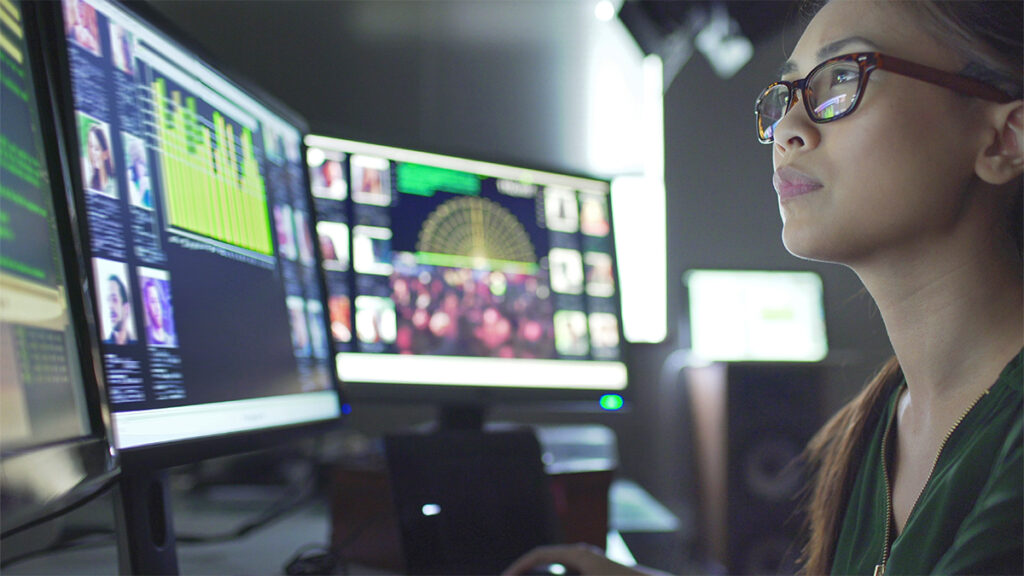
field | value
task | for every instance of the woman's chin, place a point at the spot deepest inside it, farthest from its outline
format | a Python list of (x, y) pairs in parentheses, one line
[(808, 247)]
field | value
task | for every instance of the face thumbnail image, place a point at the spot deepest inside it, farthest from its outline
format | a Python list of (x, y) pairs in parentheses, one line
[(285, 227), (140, 187), (371, 250), (594, 215), (333, 244), (281, 145), (571, 333), (81, 26), (304, 238), (156, 303), (122, 49), (340, 309), (375, 320), (566, 268), (560, 209), (604, 330), (300, 328), (317, 334), (98, 157), (600, 276), (329, 180), (114, 301), (371, 180)]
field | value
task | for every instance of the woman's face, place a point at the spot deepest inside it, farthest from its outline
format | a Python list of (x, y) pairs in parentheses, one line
[(97, 154), (140, 166), (156, 311), (891, 176), (115, 303)]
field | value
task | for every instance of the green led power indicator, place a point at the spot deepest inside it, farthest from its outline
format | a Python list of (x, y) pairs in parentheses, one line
[(611, 402)]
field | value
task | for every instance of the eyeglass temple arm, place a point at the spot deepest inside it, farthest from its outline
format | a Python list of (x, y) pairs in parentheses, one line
[(962, 84)]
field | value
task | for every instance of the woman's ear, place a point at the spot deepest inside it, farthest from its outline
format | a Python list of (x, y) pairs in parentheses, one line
[(1003, 159)]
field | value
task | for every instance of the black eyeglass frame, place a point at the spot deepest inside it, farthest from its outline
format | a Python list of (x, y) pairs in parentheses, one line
[(869, 62)]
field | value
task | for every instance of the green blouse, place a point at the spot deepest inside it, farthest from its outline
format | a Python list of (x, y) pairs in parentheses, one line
[(968, 519)]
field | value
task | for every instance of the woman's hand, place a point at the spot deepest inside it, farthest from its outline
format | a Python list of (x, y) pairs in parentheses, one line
[(577, 558)]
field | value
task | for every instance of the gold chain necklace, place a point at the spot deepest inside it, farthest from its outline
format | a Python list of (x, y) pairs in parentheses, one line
[(889, 520)]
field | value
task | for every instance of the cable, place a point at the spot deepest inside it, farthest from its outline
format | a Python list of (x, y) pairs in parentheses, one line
[(312, 559), (83, 540), (63, 510), (276, 511), (286, 505), (88, 538)]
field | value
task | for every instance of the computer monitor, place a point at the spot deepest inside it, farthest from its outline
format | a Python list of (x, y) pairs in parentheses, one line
[(198, 226), (466, 282), (54, 451), (756, 315), (197, 218)]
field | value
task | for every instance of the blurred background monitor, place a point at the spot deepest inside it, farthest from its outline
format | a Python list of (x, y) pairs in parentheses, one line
[(54, 451), (196, 216), (457, 281), (756, 316)]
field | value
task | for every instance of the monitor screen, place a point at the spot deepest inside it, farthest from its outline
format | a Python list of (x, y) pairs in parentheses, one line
[(197, 218), (755, 315), (443, 271), (52, 441)]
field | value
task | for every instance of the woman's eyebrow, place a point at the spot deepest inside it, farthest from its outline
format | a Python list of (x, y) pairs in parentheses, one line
[(827, 51)]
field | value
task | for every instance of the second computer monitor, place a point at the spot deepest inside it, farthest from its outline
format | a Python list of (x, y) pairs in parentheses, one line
[(448, 274)]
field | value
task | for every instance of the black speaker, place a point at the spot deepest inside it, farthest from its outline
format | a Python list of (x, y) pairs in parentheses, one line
[(751, 423)]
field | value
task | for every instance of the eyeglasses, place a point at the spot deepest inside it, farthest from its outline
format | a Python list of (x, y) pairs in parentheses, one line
[(833, 89)]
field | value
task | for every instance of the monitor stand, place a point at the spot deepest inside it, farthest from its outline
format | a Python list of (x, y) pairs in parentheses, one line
[(463, 417), (145, 528)]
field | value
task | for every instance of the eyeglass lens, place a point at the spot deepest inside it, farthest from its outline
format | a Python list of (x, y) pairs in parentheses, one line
[(830, 91)]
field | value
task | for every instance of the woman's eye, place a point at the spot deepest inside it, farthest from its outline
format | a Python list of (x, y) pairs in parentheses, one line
[(843, 76)]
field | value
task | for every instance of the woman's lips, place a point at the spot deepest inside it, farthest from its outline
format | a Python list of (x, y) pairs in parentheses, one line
[(790, 183)]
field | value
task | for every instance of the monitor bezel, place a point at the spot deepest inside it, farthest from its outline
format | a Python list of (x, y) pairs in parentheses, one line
[(488, 397), (190, 450)]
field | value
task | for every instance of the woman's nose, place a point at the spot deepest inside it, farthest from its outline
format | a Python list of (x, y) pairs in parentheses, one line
[(795, 130)]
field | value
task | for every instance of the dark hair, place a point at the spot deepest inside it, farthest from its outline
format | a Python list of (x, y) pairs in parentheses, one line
[(120, 286), (988, 35), (832, 456), (108, 164)]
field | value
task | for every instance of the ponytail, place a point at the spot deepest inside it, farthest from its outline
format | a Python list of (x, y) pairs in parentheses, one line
[(833, 457)]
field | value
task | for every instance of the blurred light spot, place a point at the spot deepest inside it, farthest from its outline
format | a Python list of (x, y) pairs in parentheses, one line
[(604, 10), (315, 157)]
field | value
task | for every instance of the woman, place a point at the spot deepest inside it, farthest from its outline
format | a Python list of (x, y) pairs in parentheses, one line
[(156, 322), (911, 176), (139, 186), (100, 163)]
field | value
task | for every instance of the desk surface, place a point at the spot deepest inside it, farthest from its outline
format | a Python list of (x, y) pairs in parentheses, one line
[(263, 551), (268, 550)]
